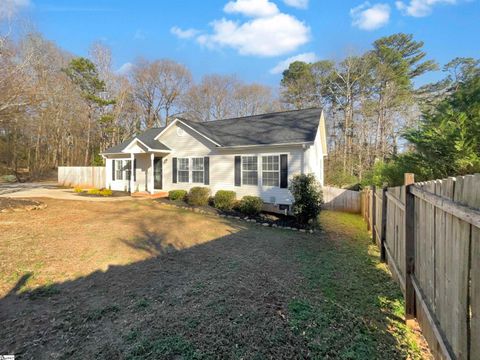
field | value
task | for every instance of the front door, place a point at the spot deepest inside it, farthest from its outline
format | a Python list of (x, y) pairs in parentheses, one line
[(157, 173)]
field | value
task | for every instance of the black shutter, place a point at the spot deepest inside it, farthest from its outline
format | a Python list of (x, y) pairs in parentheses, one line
[(113, 170), (284, 171), (174, 170), (206, 170), (238, 170), (134, 169)]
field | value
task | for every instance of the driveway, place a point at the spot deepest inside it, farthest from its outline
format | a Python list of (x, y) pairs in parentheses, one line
[(48, 190)]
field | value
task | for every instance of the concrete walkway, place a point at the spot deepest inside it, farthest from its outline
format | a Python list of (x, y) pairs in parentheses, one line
[(51, 190)]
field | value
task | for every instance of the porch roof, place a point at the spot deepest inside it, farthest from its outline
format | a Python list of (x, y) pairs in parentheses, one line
[(147, 138)]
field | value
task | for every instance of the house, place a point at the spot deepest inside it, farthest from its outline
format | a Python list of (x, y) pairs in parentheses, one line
[(253, 155)]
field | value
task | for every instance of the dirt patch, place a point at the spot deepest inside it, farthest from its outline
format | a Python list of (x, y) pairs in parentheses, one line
[(11, 205)]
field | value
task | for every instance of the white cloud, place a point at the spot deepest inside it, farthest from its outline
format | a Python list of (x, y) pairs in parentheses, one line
[(8, 8), (370, 17), (253, 8), (183, 34), (266, 36), (268, 32), (301, 4), (420, 8), (125, 68), (284, 64)]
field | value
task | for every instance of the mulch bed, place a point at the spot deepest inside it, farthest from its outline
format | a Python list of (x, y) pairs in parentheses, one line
[(264, 218), (114, 194), (10, 205)]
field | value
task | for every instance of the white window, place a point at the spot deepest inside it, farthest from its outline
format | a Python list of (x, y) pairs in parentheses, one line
[(128, 169), (197, 170), (249, 170), (271, 170), (118, 169), (183, 170)]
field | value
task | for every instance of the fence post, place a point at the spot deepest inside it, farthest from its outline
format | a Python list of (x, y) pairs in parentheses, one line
[(367, 207), (374, 214), (409, 248), (383, 255)]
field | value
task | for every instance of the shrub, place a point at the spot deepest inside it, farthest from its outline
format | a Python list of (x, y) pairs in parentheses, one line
[(308, 198), (250, 205), (198, 196), (8, 178), (224, 199), (177, 194), (105, 192), (77, 189), (93, 192)]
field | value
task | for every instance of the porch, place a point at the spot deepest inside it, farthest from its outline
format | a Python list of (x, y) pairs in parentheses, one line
[(139, 173)]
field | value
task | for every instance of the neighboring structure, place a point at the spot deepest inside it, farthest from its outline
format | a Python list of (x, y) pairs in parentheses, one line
[(253, 155)]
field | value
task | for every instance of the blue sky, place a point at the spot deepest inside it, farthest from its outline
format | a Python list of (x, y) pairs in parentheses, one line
[(251, 38)]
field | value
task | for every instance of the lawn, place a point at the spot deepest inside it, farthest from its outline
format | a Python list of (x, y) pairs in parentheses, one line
[(136, 279)]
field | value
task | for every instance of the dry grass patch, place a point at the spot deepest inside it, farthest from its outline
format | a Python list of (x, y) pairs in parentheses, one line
[(139, 280), (73, 239)]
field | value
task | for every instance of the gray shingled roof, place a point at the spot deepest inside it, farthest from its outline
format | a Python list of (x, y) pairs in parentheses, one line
[(296, 126), (285, 127), (147, 137)]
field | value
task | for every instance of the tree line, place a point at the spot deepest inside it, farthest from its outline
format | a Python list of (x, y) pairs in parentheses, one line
[(59, 109), (381, 124)]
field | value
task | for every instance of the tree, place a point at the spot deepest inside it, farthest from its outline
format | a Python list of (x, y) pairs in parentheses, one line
[(84, 75), (449, 137), (158, 87), (298, 86), (397, 59), (224, 96), (445, 143)]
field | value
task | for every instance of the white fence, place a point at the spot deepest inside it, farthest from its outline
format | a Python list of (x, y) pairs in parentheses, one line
[(84, 176), (341, 199)]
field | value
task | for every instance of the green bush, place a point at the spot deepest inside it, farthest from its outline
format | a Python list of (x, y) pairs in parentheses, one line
[(105, 192), (308, 198), (250, 205), (198, 196), (77, 189), (177, 194), (224, 199), (8, 178)]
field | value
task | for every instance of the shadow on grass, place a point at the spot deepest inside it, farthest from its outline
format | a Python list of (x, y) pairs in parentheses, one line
[(351, 307), (255, 293)]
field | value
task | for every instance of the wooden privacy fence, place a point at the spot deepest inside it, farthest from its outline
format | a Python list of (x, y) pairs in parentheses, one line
[(429, 234), (84, 176), (341, 199)]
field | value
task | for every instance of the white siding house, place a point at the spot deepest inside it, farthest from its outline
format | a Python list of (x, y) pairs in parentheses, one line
[(255, 155)]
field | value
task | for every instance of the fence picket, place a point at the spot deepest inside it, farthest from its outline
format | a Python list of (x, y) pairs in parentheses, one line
[(446, 271), (84, 176)]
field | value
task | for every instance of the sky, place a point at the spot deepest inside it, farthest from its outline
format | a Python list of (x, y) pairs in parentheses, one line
[(254, 39)]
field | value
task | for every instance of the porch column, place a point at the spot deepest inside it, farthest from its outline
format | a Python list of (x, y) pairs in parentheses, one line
[(152, 173), (132, 176)]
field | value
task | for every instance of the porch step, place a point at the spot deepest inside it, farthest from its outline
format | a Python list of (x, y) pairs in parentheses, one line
[(144, 194)]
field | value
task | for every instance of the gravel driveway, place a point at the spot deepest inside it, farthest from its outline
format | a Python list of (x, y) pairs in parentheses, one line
[(49, 190)]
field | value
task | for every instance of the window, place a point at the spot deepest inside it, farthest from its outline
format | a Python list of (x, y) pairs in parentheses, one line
[(128, 169), (183, 170), (249, 170), (118, 170), (271, 170), (197, 170)]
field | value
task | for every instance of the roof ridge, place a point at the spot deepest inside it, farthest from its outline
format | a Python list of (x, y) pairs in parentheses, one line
[(249, 116)]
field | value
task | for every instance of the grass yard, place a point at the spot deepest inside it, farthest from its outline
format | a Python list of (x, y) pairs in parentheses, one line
[(138, 280)]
